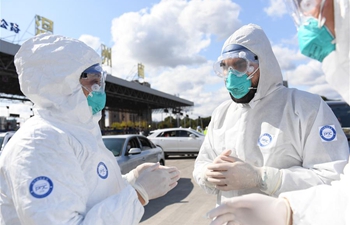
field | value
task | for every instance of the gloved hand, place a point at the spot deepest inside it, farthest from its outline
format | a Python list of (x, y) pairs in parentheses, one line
[(230, 173), (134, 174), (153, 181), (224, 157), (252, 209)]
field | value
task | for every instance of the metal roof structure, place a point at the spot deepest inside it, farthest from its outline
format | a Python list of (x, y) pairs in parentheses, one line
[(122, 95), (8, 77)]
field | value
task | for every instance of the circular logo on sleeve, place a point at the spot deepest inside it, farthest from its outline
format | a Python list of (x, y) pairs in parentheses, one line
[(264, 140), (328, 133), (41, 187), (102, 170)]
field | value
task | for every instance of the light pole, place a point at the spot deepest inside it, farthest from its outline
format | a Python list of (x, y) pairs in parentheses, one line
[(177, 119)]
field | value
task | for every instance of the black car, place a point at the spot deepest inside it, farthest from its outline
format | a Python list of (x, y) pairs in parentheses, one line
[(342, 111)]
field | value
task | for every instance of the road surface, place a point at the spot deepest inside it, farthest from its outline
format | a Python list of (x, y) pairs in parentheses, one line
[(186, 204)]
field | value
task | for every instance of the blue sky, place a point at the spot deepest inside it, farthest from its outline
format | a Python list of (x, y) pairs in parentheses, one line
[(176, 40)]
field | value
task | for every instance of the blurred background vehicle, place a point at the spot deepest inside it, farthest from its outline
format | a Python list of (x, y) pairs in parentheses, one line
[(177, 141), (342, 111), (132, 150), (4, 138)]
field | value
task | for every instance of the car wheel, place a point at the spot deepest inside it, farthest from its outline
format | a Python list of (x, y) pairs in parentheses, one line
[(161, 162)]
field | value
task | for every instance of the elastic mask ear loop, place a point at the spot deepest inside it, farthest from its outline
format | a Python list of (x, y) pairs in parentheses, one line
[(251, 76), (321, 20), (90, 92)]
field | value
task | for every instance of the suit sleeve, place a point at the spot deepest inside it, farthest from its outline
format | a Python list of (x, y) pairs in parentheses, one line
[(48, 186), (322, 204), (205, 156), (324, 150)]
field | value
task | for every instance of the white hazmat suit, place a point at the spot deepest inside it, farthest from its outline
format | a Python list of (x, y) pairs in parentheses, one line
[(281, 130), (324, 205), (336, 65), (56, 169)]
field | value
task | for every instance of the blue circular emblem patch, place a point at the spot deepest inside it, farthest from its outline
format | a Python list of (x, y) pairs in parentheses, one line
[(41, 187), (102, 170), (328, 133), (264, 140)]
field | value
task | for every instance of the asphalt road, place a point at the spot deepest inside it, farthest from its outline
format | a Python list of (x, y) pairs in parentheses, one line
[(186, 204)]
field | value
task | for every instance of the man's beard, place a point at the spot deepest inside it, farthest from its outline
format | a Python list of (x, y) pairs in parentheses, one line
[(246, 98)]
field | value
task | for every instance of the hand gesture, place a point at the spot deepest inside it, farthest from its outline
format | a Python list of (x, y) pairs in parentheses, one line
[(230, 173)]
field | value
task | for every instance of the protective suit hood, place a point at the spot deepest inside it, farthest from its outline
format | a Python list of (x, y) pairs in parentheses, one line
[(254, 38), (49, 68)]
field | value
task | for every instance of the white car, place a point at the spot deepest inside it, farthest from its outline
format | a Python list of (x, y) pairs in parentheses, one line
[(177, 141), (132, 150)]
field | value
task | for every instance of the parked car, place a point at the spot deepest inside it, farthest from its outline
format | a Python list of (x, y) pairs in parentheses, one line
[(177, 141), (342, 111), (4, 138), (132, 150)]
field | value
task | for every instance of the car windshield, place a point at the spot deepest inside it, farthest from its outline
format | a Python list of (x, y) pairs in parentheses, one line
[(198, 133), (115, 145)]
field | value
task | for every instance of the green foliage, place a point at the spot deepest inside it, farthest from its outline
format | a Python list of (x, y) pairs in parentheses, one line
[(121, 125), (324, 98)]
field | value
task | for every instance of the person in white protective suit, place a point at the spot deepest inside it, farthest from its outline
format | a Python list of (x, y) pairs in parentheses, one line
[(322, 204), (56, 169), (268, 138)]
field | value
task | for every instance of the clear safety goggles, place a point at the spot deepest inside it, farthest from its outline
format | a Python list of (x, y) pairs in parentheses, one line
[(303, 10), (239, 62), (93, 79)]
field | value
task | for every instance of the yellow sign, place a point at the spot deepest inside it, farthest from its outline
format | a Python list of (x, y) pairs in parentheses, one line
[(43, 25), (141, 70), (106, 54)]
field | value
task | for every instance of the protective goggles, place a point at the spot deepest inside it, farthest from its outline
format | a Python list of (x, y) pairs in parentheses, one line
[(303, 10), (236, 58), (93, 79)]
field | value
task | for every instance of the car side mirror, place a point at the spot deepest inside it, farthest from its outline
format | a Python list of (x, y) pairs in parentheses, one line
[(192, 136), (134, 151)]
